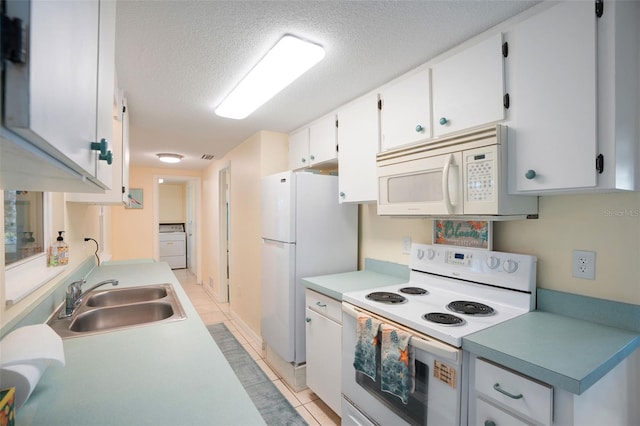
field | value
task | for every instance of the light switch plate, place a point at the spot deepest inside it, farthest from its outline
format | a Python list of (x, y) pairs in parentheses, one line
[(406, 245)]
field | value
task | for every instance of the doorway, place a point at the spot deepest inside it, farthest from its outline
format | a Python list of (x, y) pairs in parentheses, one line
[(191, 218)]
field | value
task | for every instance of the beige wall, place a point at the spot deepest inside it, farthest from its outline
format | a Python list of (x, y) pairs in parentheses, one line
[(172, 202), (133, 229), (78, 221), (262, 154), (608, 224)]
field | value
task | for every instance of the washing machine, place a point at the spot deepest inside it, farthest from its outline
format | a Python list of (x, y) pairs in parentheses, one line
[(173, 245)]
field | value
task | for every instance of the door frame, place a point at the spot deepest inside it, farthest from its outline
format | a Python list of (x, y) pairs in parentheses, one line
[(224, 233)]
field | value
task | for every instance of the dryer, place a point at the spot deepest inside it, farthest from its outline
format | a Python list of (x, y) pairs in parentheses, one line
[(173, 245)]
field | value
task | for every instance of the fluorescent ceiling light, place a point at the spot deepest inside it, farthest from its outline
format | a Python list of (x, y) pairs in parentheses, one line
[(286, 61), (169, 158)]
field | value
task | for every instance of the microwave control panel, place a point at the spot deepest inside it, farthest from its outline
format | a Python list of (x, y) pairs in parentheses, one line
[(481, 168)]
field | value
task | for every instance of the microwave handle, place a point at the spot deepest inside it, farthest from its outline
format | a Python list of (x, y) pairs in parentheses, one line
[(445, 184)]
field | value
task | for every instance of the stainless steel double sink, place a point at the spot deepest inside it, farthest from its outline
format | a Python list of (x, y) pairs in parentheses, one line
[(101, 311)]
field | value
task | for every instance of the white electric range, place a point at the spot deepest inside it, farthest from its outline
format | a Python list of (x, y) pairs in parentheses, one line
[(452, 292)]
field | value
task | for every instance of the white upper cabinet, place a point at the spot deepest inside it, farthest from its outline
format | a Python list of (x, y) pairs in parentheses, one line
[(468, 88), (60, 96), (314, 145), (358, 142), (299, 149), (553, 81), (405, 111), (323, 140)]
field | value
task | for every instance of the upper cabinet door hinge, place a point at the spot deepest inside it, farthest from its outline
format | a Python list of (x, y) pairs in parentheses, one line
[(600, 163), (599, 8), (13, 40), (505, 49), (505, 101), (380, 104), (336, 123)]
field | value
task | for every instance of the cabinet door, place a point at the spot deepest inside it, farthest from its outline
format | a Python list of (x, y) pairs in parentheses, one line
[(51, 100), (322, 140), (299, 149), (405, 115), (552, 69), (358, 145), (468, 88), (106, 89), (324, 350)]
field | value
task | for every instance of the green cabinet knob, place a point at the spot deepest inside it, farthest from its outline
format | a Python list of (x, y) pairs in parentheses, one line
[(304, 160), (108, 157), (489, 423), (313, 157), (342, 194), (308, 319), (530, 174), (443, 121), (100, 146), (419, 128)]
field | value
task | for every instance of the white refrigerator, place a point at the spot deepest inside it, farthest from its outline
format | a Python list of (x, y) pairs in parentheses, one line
[(305, 232)]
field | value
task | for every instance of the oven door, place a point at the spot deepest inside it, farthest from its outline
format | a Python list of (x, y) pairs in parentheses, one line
[(437, 396), (421, 186)]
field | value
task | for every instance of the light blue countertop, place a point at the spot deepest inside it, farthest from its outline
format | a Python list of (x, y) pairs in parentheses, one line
[(567, 353), (336, 284), (163, 374)]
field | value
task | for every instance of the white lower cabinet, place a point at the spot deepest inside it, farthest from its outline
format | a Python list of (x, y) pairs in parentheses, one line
[(324, 348), (504, 397)]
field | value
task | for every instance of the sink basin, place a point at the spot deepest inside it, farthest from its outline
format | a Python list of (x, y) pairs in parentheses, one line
[(103, 311), (126, 296), (121, 316)]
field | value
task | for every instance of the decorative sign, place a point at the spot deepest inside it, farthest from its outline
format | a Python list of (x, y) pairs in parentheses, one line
[(135, 199), (463, 233)]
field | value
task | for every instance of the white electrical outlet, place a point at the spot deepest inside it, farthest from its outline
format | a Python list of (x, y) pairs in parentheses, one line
[(584, 264), (406, 245)]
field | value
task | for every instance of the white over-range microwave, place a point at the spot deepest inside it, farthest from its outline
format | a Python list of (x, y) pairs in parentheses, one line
[(463, 174)]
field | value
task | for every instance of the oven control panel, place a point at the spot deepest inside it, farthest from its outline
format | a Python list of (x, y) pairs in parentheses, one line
[(458, 258), (510, 270)]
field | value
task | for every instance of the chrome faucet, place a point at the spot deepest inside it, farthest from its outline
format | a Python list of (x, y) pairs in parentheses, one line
[(75, 294)]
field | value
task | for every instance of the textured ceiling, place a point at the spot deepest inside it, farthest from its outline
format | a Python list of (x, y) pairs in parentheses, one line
[(176, 60)]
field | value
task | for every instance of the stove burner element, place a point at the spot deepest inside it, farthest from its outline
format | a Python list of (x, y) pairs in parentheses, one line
[(413, 290), (443, 318), (386, 297), (470, 308)]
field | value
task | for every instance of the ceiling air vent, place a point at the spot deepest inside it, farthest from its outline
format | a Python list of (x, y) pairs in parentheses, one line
[(207, 156)]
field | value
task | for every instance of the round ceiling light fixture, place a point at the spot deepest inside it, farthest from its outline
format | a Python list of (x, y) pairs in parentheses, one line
[(169, 158)]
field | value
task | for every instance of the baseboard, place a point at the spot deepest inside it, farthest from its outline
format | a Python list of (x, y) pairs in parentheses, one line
[(294, 375), (248, 332)]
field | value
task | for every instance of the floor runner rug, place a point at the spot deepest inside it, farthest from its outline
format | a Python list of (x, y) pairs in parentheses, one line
[(274, 408)]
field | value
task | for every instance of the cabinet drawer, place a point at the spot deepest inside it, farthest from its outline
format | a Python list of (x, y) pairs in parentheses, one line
[(519, 393), (324, 305), (490, 415)]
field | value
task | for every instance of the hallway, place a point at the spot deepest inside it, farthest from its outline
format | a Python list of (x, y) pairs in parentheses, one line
[(313, 410)]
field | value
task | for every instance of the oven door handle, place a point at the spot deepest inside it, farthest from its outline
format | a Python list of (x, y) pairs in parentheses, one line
[(422, 343)]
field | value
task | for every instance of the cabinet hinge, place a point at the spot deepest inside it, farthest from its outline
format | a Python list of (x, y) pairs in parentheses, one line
[(380, 104), (600, 163), (123, 190), (505, 101), (336, 124), (337, 147), (599, 8), (124, 109), (13, 40), (505, 49)]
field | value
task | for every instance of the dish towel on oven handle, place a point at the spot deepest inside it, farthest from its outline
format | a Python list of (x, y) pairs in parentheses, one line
[(397, 359), (366, 342)]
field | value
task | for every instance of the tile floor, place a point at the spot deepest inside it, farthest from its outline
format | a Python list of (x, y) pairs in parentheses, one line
[(310, 407)]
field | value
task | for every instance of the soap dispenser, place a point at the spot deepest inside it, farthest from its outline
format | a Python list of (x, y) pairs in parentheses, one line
[(59, 253)]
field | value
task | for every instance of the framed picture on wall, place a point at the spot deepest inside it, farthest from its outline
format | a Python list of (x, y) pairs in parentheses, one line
[(463, 233), (135, 199)]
